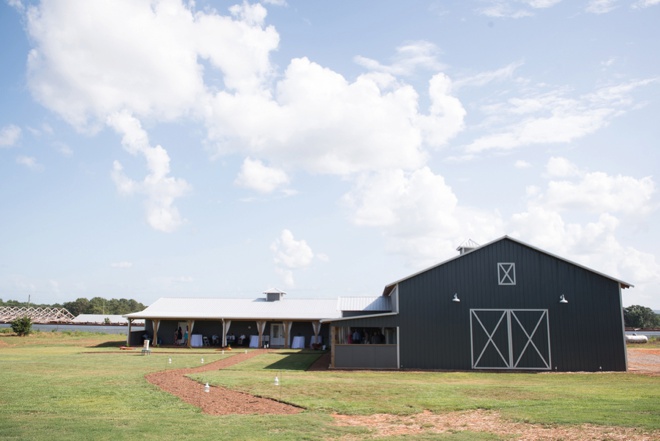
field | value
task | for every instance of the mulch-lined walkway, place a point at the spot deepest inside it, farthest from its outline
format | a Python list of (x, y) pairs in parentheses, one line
[(218, 401)]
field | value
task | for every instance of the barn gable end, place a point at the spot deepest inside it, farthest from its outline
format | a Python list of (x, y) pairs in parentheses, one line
[(500, 306)]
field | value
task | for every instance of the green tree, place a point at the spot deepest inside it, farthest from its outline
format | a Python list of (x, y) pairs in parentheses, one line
[(79, 306), (97, 305), (22, 326), (113, 306), (637, 316)]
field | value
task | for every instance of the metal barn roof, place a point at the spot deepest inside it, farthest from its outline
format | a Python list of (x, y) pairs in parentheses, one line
[(366, 304)]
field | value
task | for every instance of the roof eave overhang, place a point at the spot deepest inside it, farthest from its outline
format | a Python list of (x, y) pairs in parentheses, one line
[(207, 317), (359, 317)]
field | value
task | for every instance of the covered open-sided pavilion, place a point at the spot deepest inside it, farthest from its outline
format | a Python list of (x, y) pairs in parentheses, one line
[(271, 320)]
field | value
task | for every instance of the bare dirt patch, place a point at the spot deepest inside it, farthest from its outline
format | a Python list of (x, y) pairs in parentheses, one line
[(644, 361), (383, 425)]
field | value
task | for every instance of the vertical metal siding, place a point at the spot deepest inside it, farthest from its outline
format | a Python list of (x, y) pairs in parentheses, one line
[(585, 334)]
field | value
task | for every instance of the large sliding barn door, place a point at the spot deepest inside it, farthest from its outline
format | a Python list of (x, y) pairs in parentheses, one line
[(510, 339)]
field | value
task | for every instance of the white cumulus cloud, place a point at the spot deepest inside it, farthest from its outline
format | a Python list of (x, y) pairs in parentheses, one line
[(9, 135), (418, 212), (290, 254), (581, 216), (446, 113), (596, 192), (84, 69), (159, 188), (514, 8), (561, 167), (601, 6), (645, 3), (29, 162), (319, 121), (171, 62), (255, 175)]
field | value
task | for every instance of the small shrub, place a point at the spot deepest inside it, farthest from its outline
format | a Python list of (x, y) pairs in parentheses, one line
[(22, 326)]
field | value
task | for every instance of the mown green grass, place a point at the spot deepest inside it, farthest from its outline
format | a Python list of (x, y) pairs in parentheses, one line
[(546, 398), (81, 386)]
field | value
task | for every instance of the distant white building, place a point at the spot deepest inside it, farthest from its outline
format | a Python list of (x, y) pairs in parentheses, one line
[(103, 319)]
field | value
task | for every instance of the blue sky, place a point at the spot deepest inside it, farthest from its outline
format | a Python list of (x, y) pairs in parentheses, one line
[(164, 148)]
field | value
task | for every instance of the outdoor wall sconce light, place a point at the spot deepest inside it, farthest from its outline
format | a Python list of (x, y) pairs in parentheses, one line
[(207, 388), (562, 299), (456, 299)]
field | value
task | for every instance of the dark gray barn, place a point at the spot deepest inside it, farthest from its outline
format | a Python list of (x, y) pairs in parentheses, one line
[(505, 305)]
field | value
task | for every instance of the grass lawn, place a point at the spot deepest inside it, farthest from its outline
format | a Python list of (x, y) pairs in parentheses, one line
[(56, 386)]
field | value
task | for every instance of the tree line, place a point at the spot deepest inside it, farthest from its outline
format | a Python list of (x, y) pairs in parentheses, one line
[(637, 316), (634, 316), (95, 305)]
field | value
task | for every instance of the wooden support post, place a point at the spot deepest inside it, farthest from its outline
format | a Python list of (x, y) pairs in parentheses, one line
[(287, 331), (191, 324), (156, 324)]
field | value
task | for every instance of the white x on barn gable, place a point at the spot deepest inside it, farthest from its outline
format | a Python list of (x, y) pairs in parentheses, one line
[(536, 339), (506, 273)]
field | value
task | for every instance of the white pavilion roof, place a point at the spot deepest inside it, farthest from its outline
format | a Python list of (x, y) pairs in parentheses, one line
[(217, 308)]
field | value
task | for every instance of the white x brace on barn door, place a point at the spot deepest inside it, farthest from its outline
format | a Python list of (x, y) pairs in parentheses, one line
[(510, 339)]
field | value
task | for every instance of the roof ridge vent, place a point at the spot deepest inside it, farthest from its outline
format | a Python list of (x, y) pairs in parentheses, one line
[(467, 246)]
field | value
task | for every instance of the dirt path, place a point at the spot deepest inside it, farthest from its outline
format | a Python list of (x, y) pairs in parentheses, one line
[(644, 361), (218, 401)]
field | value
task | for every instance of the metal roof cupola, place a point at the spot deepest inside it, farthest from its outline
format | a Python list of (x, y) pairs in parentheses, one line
[(467, 246), (274, 295)]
